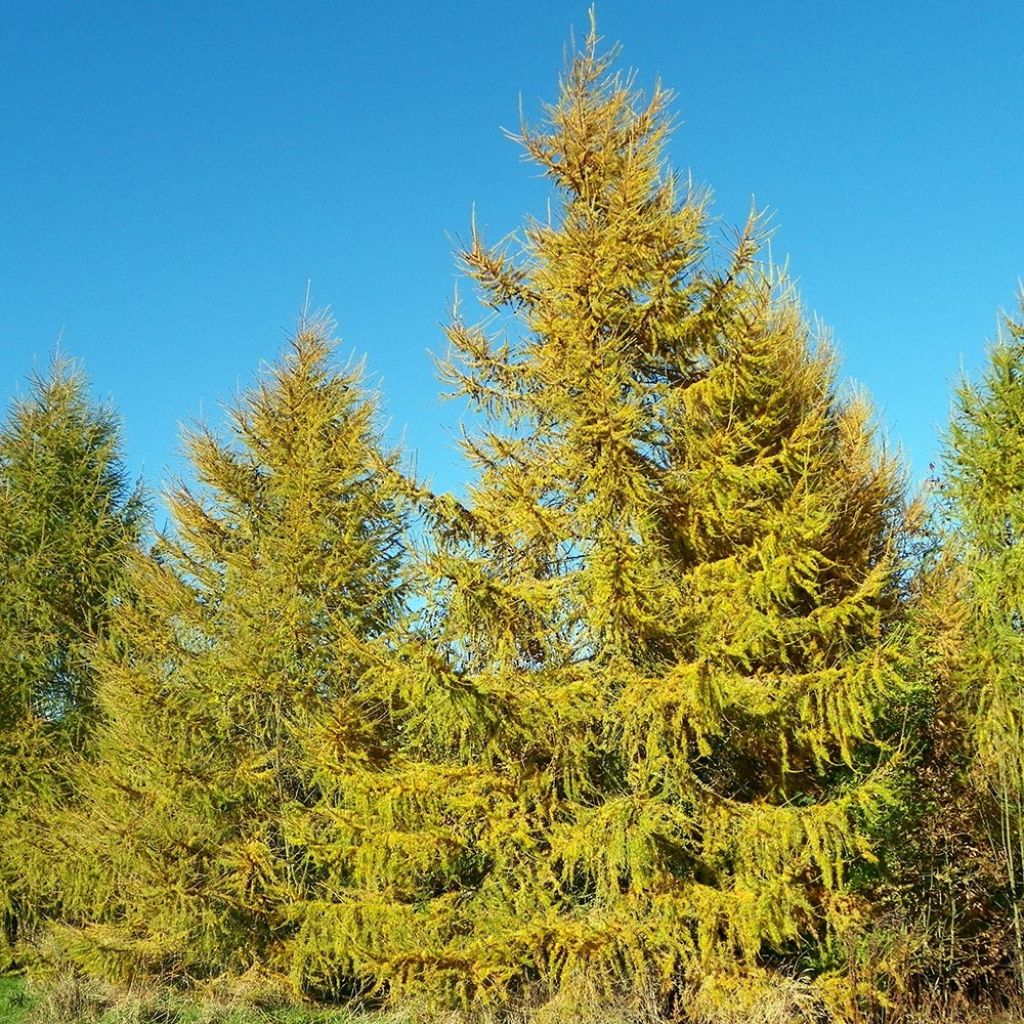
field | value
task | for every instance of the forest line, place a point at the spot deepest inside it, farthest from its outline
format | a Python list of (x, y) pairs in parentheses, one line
[(690, 700)]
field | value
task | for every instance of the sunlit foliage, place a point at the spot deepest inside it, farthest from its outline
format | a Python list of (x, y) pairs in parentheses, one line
[(68, 519), (644, 728), (258, 613), (984, 492), (643, 720)]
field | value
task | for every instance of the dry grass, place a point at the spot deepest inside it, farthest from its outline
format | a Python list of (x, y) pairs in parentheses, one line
[(70, 1000)]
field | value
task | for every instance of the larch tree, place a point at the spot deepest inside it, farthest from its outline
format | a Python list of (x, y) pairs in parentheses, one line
[(252, 623), (69, 518), (646, 721), (983, 490), (776, 721)]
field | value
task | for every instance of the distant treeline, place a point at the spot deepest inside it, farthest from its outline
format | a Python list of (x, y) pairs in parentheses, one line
[(688, 701)]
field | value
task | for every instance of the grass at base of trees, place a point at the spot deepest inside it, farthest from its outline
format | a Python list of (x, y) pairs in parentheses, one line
[(74, 1001)]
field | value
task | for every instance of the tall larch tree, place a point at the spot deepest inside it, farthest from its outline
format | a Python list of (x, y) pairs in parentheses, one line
[(69, 517), (252, 624), (983, 491), (646, 726)]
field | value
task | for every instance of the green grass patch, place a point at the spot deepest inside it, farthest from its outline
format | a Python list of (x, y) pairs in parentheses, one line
[(14, 1001)]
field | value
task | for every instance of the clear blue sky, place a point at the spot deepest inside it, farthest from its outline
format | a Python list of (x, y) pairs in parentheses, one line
[(171, 175)]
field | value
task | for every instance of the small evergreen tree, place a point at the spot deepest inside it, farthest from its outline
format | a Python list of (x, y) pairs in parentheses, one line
[(945, 878), (68, 520), (643, 733), (252, 622), (984, 491)]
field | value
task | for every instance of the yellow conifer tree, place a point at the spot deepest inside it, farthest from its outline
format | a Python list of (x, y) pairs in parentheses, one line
[(254, 616), (68, 521), (645, 715)]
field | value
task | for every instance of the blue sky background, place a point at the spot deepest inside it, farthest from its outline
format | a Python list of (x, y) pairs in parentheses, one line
[(171, 175)]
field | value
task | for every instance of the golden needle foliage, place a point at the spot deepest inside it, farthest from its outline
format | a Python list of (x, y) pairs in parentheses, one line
[(640, 718), (985, 516), (645, 718), (68, 518), (254, 619)]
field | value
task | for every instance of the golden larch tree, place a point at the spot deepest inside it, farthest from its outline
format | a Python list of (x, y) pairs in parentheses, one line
[(255, 616), (651, 705)]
